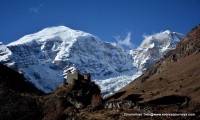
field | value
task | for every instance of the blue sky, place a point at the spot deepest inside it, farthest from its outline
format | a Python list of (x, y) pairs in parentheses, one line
[(111, 20)]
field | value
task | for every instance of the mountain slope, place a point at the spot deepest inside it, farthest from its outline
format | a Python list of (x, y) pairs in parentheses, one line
[(44, 57), (154, 47), (14, 81), (178, 73), (18, 99), (5, 53)]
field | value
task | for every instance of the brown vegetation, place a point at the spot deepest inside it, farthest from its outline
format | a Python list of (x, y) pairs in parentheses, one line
[(174, 78), (18, 99)]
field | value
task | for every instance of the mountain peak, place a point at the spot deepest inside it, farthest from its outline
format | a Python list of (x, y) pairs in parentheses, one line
[(58, 29), (60, 32), (176, 74), (161, 38), (167, 31), (43, 57), (155, 47)]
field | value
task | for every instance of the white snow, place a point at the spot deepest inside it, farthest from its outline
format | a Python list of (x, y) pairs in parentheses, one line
[(45, 56), (154, 47), (111, 85), (5, 53), (48, 33), (43, 76)]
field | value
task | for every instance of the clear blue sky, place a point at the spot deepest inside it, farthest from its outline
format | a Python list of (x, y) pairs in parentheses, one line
[(103, 18)]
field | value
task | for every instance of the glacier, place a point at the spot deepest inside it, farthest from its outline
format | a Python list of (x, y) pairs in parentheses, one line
[(44, 57)]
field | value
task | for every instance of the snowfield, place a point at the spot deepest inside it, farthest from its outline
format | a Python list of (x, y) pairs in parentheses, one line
[(113, 84)]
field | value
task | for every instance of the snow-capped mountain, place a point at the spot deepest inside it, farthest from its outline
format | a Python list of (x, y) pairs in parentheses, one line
[(44, 57), (154, 47)]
